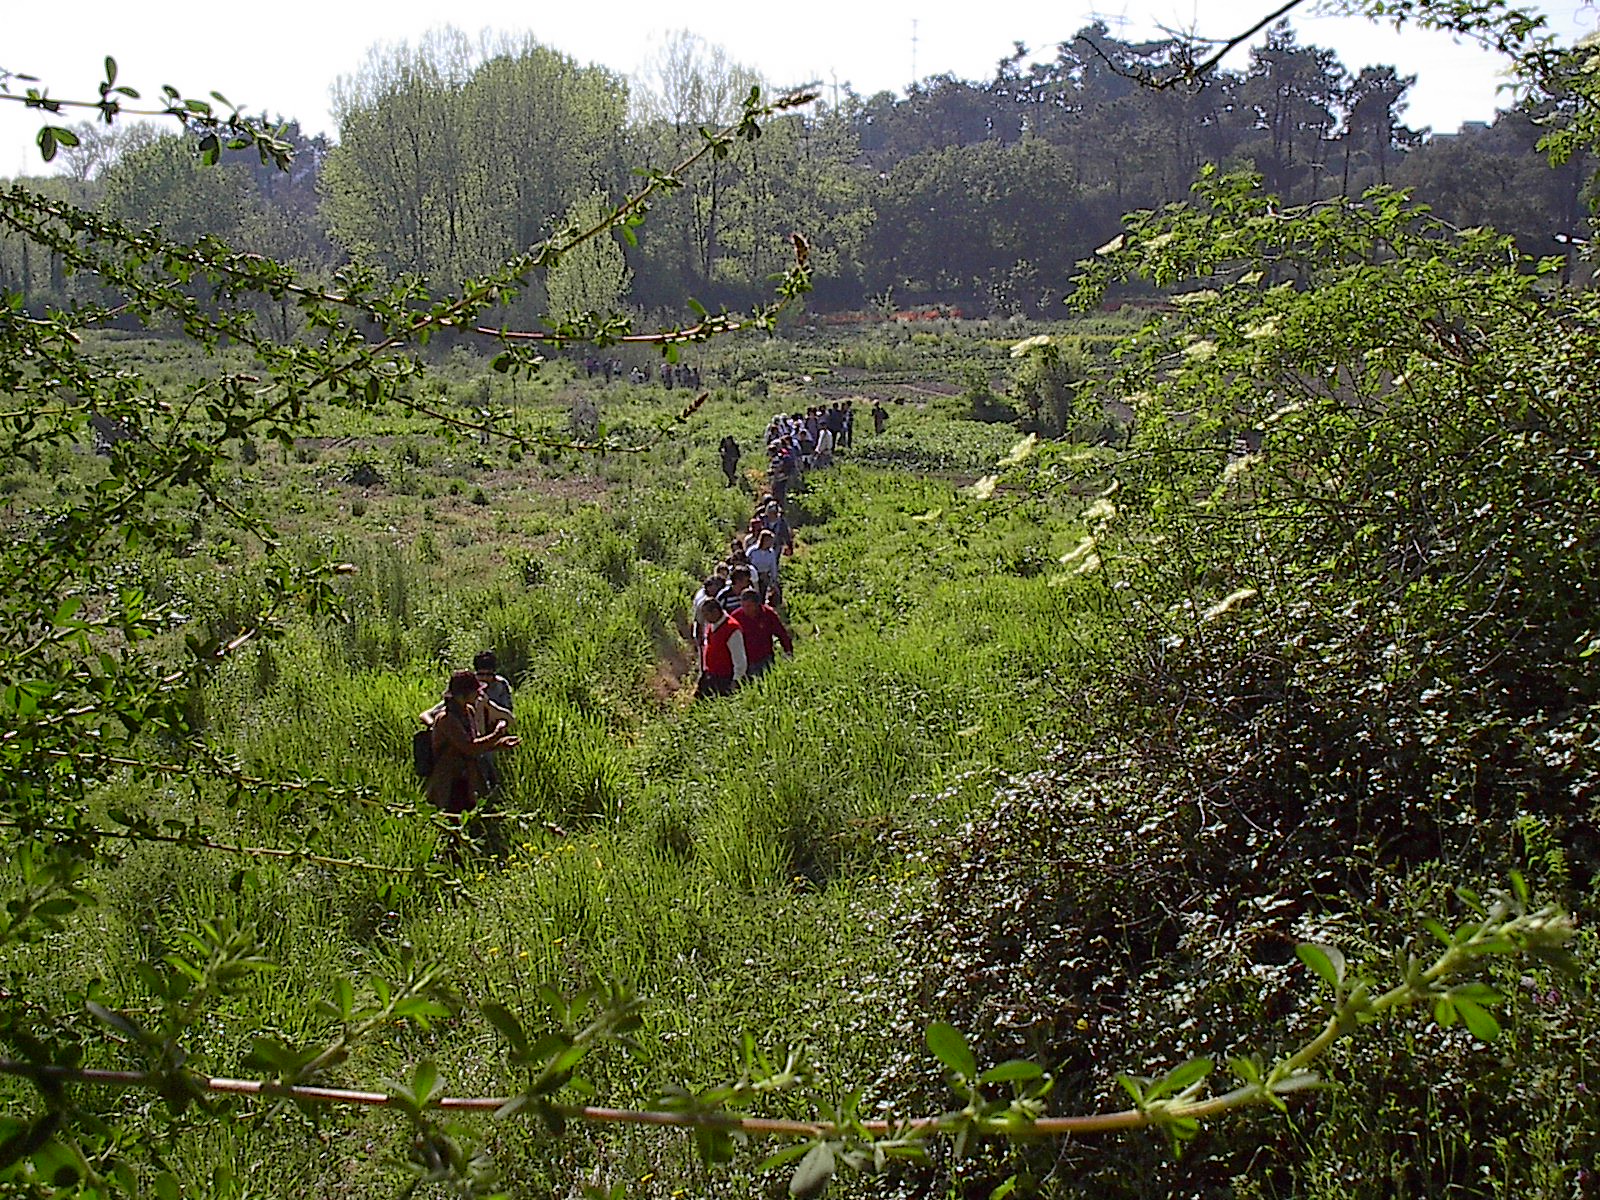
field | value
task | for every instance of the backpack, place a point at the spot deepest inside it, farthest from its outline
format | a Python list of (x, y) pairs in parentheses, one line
[(422, 752)]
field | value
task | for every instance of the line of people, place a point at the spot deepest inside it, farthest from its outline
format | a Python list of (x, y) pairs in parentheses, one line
[(735, 611), (737, 629)]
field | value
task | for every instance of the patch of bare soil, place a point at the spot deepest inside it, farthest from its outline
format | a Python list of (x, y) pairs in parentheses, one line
[(674, 672)]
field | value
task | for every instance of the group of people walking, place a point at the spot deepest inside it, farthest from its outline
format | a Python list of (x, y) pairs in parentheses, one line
[(736, 624)]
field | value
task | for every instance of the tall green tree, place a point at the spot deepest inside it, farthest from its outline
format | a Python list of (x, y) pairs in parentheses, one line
[(452, 156), (593, 276)]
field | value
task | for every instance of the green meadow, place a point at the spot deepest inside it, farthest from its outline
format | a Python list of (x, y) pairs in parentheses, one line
[(944, 808)]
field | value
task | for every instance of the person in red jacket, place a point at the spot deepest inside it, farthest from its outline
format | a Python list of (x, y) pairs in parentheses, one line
[(723, 661), (760, 624)]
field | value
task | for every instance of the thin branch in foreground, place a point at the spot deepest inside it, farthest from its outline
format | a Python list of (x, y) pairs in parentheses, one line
[(1188, 70)]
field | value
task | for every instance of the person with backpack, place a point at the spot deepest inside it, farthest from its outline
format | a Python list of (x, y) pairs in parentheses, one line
[(458, 743)]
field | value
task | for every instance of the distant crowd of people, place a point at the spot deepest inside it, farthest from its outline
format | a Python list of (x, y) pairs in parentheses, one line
[(669, 375)]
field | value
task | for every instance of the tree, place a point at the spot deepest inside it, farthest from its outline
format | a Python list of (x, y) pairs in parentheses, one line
[(1294, 91), (452, 157), (1372, 104), (593, 276), (692, 86)]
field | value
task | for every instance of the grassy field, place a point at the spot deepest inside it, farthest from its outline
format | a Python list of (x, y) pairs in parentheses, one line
[(950, 805), (747, 865)]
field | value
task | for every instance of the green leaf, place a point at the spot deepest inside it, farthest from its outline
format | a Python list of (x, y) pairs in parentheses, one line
[(505, 1021), (344, 997), (1480, 1023), (787, 1155), (166, 1186), (124, 1025), (1326, 961), (950, 1048), (1011, 1072), (1134, 1085), (60, 1164), (1183, 1075), (425, 1083), (813, 1173)]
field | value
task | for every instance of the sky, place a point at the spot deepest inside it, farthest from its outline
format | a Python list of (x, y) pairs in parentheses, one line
[(283, 57)]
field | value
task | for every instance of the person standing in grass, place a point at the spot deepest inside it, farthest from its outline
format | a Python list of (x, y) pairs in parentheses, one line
[(880, 417), (764, 559), (739, 578), (782, 535), (730, 458), (760, 624), (494, 704), (459, 746), (709, 590), (723, 663)]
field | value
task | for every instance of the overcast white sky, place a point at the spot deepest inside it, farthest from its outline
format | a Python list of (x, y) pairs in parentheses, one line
[(282, 56)]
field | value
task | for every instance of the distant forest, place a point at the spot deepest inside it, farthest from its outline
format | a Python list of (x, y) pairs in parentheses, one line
[(980, 195)]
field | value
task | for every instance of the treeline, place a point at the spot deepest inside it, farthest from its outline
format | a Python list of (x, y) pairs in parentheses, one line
[(452, 156)]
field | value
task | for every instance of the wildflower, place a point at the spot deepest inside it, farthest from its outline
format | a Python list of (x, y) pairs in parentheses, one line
[(1079, 551), (1100, 510), (1037, 342), (1112, 246), (984, 488), (1239, 466), (1199, 296), (1201, 350), (1020, 451), (1265, 329)]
